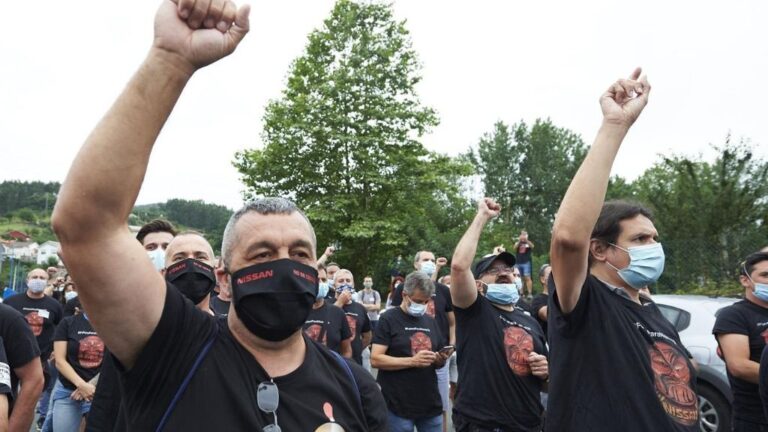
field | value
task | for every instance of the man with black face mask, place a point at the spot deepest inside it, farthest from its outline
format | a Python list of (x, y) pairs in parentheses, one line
[(255, 369), (190, 268)]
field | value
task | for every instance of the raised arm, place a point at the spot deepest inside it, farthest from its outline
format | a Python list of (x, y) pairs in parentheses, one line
[(621, 104), (124, 294), (463, 289)]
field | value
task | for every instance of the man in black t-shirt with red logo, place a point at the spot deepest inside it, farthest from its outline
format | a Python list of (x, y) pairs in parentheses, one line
[(741, 331), (357, 315), (616, 363), (182, 368), (500, 349)]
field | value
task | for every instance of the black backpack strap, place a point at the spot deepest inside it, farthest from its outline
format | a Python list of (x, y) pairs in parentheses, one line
[(188, 378)]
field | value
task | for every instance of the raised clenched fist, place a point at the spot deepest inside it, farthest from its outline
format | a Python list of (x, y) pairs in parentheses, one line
[(625, 99), (199, 32), (488, 208)]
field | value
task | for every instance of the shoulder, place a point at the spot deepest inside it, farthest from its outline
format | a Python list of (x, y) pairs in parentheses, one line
[(8, 313)]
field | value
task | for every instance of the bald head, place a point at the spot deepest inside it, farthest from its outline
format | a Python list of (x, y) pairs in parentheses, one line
[(37, 273), (190, 244)]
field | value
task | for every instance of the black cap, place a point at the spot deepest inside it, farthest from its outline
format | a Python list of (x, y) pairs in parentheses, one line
[(483, 265)]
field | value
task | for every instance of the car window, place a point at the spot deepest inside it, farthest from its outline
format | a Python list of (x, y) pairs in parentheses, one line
[(679, 318)]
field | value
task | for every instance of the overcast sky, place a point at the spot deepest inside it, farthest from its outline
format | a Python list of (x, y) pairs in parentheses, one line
[(63, 63)]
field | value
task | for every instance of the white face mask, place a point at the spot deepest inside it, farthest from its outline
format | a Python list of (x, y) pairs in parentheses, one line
[(157, 257), (36, 286), (70, 295)]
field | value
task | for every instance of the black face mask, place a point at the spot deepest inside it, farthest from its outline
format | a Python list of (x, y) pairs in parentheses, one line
[(273, 299), (193, 278)]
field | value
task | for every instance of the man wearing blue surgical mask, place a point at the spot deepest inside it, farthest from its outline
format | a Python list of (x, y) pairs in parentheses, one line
[(741, 330), (600, 329), (440, 307), (501, 349), (155, 236)]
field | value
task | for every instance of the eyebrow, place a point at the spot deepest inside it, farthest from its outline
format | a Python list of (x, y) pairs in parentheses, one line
[(270, 245)]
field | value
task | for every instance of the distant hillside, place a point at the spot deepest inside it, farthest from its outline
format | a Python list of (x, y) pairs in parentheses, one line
[(27, 207)]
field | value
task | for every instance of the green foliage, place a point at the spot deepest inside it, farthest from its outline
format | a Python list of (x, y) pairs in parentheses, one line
[(709, 215), (527, 169), (52, 261), (342, 142), (26, 215), (210, 219), (37, 196)]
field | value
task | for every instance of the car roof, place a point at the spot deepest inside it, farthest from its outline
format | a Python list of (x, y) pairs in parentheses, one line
[(686, 301)]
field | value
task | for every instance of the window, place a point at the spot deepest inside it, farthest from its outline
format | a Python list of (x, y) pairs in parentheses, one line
[(679, 318)]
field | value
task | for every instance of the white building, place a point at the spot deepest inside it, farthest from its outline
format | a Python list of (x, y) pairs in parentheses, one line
[(23, 251), (47, 250)]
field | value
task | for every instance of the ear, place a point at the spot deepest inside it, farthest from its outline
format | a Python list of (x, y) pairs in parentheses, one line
[(225, 286), (598, 249), (744, 282), (479, 286)]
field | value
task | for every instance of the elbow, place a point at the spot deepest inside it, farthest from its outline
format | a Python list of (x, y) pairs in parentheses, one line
[(375, 363), (458, 267), (566, 240)]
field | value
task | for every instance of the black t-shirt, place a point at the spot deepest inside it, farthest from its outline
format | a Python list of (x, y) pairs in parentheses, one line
[(616, 365), (18, 342), (357, 318), (751, 320), (105, 412), (221, 394), (410, 393), (72, 306), (5, 373), (538, 302), (523, 253), (42, 316), (328, 325), (219, 306), (85, 349), (764, 379), (438, 307), (496, 388)]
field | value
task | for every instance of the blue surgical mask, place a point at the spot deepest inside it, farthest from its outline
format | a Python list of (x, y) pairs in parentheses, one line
[(157, 257), (416, 309), (519, 284), (70, 295), (428, 267), (646, 263), (322, 290), (761, 289), (503, 294)]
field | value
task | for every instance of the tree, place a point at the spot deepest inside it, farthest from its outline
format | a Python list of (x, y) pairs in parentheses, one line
[(26, 215), (52, 261), (528, 169), (710, 215), (342, 141)]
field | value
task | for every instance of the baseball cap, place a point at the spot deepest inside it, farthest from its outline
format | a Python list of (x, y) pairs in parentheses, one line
[(485, 263)]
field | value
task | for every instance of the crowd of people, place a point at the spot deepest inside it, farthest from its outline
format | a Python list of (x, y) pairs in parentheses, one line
[(162, 334)]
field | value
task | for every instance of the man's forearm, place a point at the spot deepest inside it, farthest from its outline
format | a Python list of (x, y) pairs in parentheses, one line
[(120, 145), (585, 196), (24, 407)]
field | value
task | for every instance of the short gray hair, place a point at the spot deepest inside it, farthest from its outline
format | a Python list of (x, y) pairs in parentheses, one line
[(263, 206), (418, 280)]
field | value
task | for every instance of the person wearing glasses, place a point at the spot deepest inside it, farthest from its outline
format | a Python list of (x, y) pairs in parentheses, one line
[(407, 350), (184, 369), (501, 349)]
